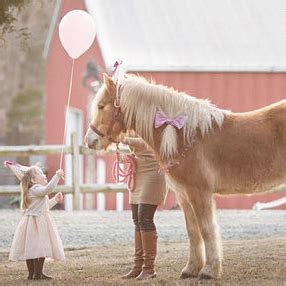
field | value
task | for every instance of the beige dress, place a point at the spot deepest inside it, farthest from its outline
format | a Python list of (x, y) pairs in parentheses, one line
[(36, 234), (149, 187)]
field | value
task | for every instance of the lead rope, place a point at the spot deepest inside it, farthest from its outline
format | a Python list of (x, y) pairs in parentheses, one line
[(122, 175)]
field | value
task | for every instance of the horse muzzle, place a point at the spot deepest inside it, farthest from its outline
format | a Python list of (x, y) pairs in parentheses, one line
[(92, 141)]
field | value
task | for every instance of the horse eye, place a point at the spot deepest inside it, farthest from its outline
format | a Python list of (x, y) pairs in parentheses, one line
[(100, 107)]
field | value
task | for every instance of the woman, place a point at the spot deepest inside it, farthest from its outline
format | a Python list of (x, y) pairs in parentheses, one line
[(149, 191)]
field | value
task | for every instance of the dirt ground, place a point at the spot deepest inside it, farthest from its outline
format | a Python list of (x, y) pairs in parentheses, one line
[(246, 262), (254, 245)]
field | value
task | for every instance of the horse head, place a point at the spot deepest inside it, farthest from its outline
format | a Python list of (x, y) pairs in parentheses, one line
[(107, 119)]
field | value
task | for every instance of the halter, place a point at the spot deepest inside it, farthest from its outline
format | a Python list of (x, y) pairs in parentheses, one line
[(116, 114), (117, 110)]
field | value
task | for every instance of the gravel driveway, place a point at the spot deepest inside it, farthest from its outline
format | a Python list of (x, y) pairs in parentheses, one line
[(87, 228)]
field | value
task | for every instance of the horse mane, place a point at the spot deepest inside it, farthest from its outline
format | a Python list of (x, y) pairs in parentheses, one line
[(141, 99)]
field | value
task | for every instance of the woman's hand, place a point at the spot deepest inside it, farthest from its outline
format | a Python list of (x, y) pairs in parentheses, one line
[(59, 197), (121, 138)]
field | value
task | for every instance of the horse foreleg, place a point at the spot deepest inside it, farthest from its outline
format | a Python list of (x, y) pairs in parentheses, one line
[(204, 209), (196, 245)]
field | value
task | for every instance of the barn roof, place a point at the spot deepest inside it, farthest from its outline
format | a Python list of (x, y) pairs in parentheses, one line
[(192, 35)]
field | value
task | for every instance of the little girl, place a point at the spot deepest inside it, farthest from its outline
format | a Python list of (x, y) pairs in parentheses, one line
[(36, 236)]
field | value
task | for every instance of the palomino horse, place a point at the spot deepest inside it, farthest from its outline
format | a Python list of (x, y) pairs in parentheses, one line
[(215, 151)]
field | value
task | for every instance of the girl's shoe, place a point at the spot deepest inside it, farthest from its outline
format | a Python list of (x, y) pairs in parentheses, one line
[(46, 277)]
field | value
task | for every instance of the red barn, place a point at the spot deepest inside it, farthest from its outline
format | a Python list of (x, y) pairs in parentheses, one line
[(232, 52)]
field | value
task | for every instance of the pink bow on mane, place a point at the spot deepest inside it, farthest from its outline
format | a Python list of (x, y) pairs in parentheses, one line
[(179, 122)]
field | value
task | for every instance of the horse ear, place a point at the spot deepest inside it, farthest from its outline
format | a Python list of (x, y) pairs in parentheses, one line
[(109, 83)]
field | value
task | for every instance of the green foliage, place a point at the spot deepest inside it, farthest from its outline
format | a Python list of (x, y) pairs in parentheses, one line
[(25, 118), (8, 12)]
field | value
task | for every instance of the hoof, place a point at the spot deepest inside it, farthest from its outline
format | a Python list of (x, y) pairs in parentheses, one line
[(189, 272), (205, 277), (210, 272), (186, 275)]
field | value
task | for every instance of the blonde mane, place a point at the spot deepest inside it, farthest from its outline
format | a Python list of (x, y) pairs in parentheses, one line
[(141, 99)]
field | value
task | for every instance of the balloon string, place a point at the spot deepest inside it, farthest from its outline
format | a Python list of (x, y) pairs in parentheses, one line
[(67, 110)]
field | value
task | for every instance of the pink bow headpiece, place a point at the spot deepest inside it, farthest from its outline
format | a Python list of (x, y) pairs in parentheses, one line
[(116, 65), (179, 122), (117, 70)]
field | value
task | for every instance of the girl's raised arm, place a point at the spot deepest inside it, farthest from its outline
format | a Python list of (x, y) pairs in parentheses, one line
[(40, 190)]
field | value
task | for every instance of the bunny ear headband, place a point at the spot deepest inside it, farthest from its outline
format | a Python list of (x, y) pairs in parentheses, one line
[(17, 169)]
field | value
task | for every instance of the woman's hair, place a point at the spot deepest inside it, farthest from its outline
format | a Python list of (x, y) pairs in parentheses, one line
[(26, 184)]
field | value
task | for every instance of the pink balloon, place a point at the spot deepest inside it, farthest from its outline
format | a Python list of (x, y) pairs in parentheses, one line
[(77, 32)]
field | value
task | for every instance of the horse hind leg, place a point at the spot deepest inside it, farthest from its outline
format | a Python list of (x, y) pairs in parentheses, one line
[(204, 209), (196, 245)]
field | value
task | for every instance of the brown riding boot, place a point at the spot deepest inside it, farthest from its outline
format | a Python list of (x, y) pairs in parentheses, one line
[(149, 243), (138, 257)]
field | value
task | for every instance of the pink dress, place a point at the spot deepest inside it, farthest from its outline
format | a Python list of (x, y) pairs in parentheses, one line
[(36, 235)]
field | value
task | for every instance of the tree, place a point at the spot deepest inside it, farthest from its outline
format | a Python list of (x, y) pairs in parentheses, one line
[(25, 118), (8, 11)]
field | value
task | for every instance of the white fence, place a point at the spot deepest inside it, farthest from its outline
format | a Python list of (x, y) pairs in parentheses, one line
[(75, 151)]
